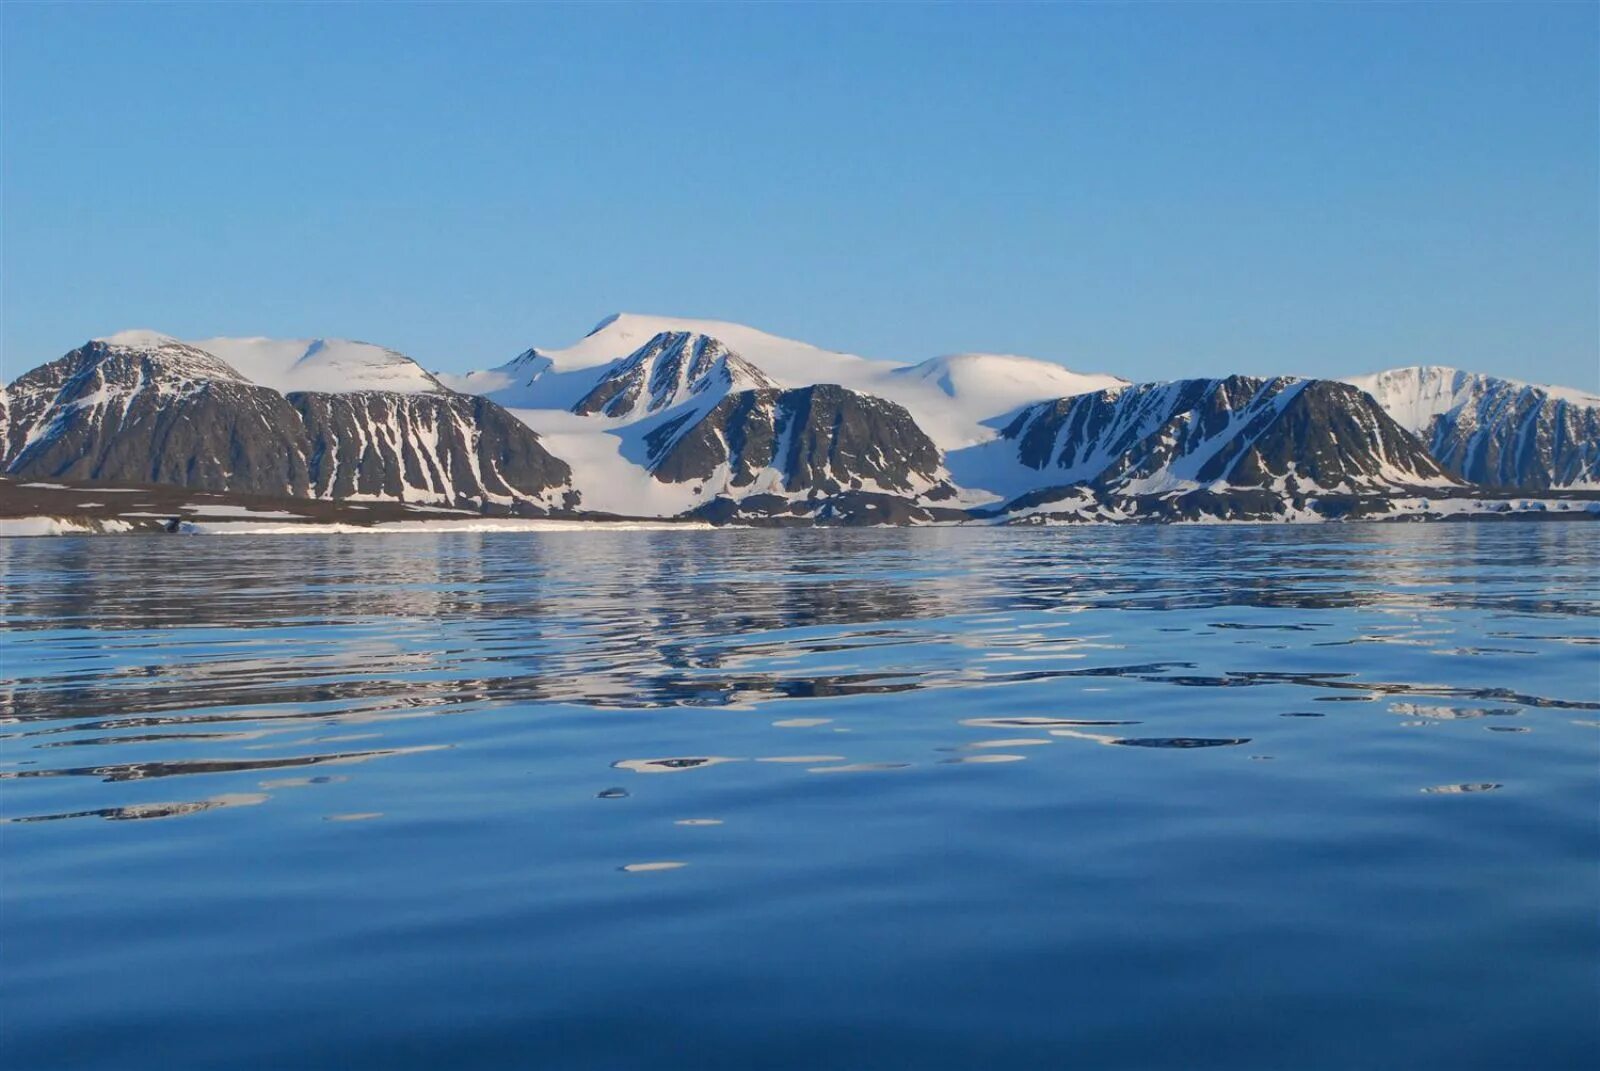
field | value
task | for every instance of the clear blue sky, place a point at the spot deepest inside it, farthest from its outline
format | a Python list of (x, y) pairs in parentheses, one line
[(1151, 190)]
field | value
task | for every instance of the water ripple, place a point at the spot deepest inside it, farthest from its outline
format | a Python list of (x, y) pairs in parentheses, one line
[(887, 824)]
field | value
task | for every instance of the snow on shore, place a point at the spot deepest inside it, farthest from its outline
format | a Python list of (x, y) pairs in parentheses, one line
[(50, 526), (55, 526), (483, 524)]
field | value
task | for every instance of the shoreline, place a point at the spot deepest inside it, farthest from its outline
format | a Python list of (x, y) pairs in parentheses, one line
[(50, 509)]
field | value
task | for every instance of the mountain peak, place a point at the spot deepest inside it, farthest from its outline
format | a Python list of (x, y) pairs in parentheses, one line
[(671, 368), (139, 338), (1439, 380), (786, 361), (328, 365)]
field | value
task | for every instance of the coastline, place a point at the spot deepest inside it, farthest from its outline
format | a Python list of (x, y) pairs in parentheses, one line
[(58, 509)]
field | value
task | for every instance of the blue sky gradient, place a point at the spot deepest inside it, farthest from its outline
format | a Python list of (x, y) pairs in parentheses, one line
[(1151, 190)]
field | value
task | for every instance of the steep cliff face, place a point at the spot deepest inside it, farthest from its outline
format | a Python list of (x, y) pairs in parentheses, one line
[(1492, 431), (423, 447), (1283, 434), (814, 440)]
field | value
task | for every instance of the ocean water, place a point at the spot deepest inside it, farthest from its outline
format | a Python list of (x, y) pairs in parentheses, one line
[(1313, 797)]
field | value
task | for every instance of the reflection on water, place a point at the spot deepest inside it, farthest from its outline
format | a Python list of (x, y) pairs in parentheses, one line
[(1040, 723), (636, 868), (1441, 713), (1154, 741), (669, 765), (452, 895), (155, 810), (139, 771)]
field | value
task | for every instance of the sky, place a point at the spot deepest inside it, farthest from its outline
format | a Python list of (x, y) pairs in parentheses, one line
[(1153, 190)]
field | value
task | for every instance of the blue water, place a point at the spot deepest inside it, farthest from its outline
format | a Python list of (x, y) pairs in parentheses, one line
[(1302, 798)]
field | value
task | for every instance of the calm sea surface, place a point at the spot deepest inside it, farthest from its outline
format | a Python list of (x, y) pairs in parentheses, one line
[(1104, 798)]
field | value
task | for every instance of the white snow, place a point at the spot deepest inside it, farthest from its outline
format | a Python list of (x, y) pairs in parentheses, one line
[(237, 512), (1413, 396), (482, 524), (952, 397), (1486, 424), (140, 338), (53, 526), (608, 480), (959, 400), (332, 365), (788, 361), (554, 378)]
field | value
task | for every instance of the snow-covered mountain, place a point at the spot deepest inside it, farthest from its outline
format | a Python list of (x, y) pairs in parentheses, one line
[(957, 396), (808, 444), (672, 368), (540, 378), (633, 372), (520, 383), (666, 417), (329, 365), (951, 397), (438, 447), (1287, 435), (787, 361), (140, 407), (1494, 431), (144, 408)]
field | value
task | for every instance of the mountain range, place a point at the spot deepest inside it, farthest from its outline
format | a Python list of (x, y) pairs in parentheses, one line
[(656, 417)]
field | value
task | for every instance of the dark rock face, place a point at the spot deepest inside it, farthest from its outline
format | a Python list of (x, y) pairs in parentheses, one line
[(1520, 438), (672, 367), (439, 447), (822, 440), (1285, 433), (171, 414), (740, 430), (168, 415), (1493, 431)]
